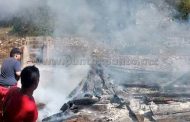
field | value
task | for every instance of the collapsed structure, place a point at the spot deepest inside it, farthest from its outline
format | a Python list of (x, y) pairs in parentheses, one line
[(97, 98)]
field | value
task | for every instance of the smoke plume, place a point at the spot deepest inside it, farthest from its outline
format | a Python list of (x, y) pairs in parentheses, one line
[(129, 27)]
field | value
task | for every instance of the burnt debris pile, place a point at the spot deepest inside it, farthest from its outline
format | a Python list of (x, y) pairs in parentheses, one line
[(98, 99)]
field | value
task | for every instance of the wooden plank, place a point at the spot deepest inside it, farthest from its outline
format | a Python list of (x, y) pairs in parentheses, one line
[(165, 109), (166, 100), (148, 86), (159, 94)]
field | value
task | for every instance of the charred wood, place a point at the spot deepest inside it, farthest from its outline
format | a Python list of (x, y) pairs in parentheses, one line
[(165, 109), (154, 87)]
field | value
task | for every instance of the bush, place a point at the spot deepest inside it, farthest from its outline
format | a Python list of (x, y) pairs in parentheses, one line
[(184, 9), (34, 22), (31, 21)]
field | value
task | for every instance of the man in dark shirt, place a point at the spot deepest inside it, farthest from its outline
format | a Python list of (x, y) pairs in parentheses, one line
[(11, 69), (10, 73)]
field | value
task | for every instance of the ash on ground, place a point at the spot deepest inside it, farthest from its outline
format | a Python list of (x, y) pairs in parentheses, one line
[(98, 99)]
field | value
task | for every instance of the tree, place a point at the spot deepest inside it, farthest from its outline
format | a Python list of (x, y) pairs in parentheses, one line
[(34, 21), (184, 9)]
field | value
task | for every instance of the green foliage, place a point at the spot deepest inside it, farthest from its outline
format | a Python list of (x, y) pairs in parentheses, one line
[(184, 9), (5, 23), (33, 21)]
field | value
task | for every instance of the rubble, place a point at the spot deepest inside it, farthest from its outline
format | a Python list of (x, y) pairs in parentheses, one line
[(98, 99)]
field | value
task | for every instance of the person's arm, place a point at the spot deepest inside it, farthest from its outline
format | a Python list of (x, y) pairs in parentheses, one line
[(17, 69), (18, 73)]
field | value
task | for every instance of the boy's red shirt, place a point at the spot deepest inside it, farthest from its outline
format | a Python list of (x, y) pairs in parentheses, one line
[(19, 107)]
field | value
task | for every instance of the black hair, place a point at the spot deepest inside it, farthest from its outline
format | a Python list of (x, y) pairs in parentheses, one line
[(29, 76), (15, 51)]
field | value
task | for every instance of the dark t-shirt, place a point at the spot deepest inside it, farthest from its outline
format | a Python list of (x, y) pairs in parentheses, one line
[(8, 69)]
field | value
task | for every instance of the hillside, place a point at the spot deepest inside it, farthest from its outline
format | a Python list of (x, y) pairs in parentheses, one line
[(8, 41)]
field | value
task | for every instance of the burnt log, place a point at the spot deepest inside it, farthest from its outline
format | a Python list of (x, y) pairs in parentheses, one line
[(169, 95), (166, 100), (147, 86), (84, 101), (58, 117), (78, 102), (165, 109)]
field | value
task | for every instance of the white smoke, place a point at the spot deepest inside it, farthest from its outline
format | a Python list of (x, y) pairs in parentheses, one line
[(146, 23), (11, 8), (135, 27), (56, 82)]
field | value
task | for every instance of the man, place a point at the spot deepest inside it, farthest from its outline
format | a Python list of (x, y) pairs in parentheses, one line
[(19, 104), (10, 73), (11, 69)]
